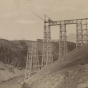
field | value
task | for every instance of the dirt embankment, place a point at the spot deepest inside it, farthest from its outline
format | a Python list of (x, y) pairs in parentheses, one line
[(7, 72), (71, 71), (12, 83)]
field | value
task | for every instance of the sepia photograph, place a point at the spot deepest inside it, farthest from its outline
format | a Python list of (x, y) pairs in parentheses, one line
[(43, 43)]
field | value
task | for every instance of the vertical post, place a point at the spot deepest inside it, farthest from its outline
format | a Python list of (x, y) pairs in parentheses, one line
[(62, 40), (47, 46), (40, 49), (34, 57), (79, 33), (44, 55), (84, 30), (28, 63), (87, 29)]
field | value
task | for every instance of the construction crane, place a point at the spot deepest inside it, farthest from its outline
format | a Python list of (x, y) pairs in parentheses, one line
[(38, 16), (42, 18)]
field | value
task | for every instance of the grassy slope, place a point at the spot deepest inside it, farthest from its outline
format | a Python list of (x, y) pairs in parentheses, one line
[(71, 71)]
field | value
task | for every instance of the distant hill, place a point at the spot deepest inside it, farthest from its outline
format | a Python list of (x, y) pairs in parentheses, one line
[(71, 37), (55, 45), (11, 53)]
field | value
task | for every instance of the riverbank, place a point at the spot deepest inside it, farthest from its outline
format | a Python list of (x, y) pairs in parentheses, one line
[(8, 72), (12, 83)]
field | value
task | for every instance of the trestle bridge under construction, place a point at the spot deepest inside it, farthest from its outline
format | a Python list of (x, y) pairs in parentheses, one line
[(47, 56)]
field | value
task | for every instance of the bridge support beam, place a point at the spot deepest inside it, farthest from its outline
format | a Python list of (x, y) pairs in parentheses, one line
[(81, 32), (35, 60), (32, 62), (62, 40), (28, 63), (47, 57), (81, 36)]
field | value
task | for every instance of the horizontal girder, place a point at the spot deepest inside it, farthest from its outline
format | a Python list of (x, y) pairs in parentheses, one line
[(66, 22)]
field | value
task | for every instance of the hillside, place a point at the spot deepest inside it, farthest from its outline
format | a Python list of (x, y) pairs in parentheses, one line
[(13, 57), (12, 60), (71, 71), (15, 52), (11, 53)]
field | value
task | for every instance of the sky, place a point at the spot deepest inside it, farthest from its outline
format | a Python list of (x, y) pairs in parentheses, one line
[(18, 22)]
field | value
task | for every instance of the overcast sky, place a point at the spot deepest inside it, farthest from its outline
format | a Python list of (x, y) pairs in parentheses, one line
[(17, 20)]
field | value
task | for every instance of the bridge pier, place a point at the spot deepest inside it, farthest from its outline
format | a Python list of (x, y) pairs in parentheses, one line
[(47, 57), (81, 32), (32, 62), (28, 63), (62, 40)]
